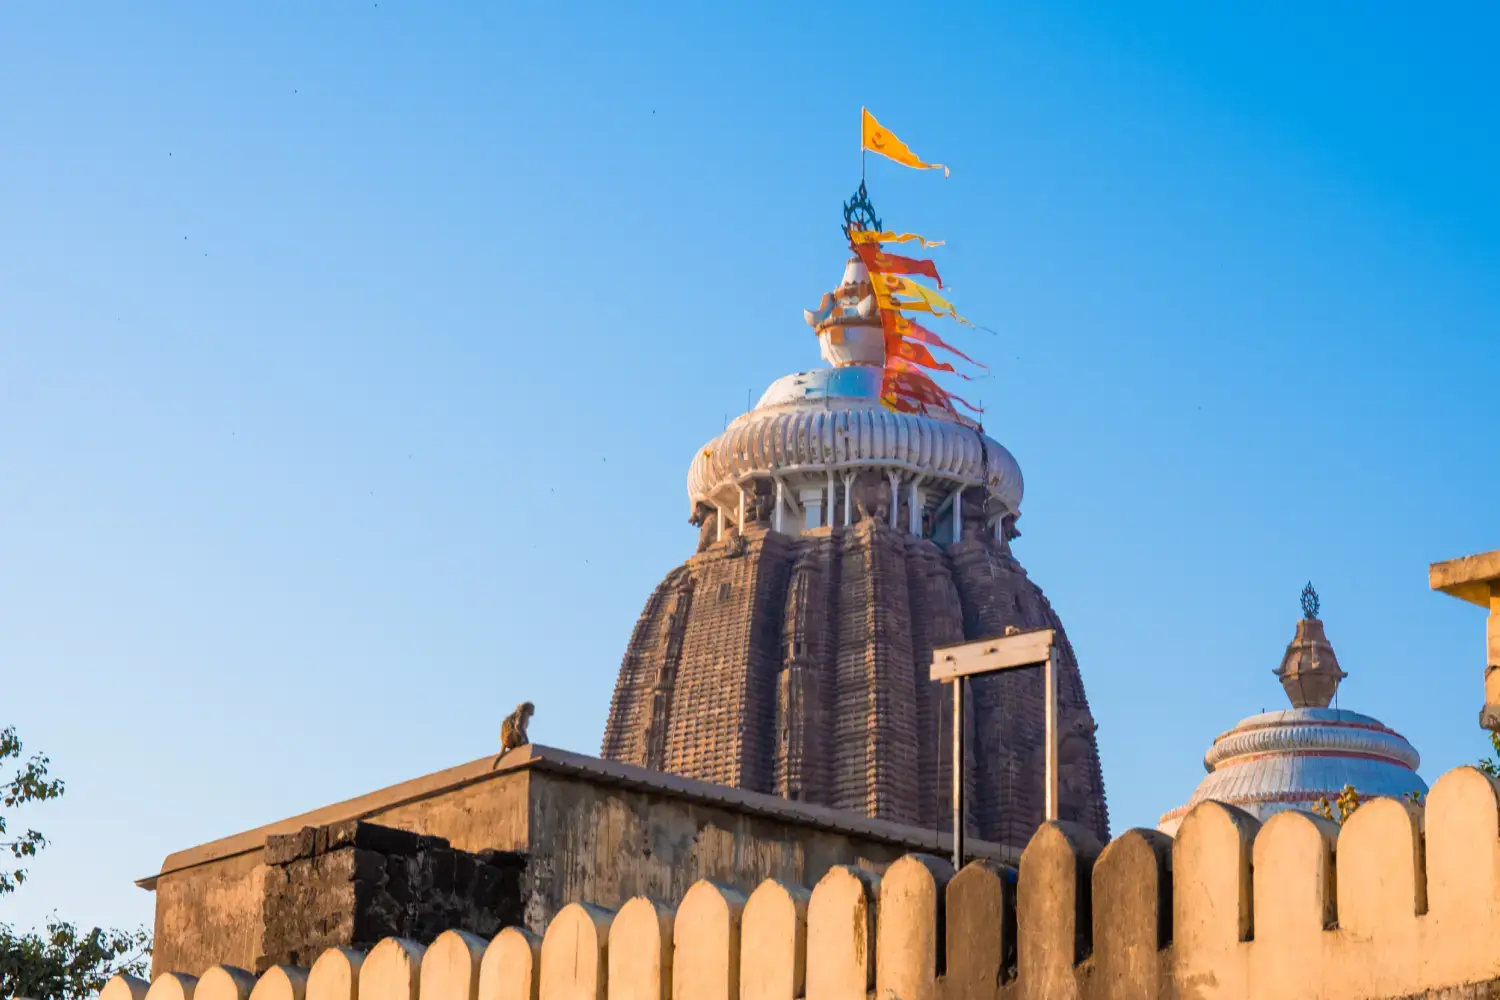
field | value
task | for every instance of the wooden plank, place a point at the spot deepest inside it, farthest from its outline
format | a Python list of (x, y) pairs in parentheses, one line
[(1049, 770), (1007, 652)]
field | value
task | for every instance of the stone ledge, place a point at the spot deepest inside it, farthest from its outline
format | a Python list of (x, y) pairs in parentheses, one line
[(544, 758), (1468, 578)]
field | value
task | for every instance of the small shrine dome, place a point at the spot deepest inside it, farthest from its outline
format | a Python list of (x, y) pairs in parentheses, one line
[(1290, 759)]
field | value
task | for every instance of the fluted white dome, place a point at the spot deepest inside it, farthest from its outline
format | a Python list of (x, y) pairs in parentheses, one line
[(832, 420)]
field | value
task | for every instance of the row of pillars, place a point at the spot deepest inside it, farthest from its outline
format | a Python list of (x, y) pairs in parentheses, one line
[(811, 500)]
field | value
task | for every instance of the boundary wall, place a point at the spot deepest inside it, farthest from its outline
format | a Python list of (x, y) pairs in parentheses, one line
[(1402, 901)]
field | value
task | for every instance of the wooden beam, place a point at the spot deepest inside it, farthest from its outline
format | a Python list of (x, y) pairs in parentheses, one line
[(1470, 578), (1008, 652)]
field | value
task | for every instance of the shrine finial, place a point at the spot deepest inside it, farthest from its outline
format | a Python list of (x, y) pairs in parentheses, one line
[(859, 213), (1309, 602)]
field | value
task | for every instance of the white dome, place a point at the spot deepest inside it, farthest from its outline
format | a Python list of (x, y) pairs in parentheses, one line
[(832, 420), (1289, 759)]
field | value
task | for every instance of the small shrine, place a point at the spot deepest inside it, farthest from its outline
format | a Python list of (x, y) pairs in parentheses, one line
[(1292, 758)]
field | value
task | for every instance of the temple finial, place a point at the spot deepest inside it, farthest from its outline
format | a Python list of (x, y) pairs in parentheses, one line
[(1309, 672), (1309, 602), (859, 213)]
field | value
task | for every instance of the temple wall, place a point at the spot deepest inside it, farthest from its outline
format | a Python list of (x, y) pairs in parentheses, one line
[(580, 828), (209, 915), (1400, 902), (209, 900)]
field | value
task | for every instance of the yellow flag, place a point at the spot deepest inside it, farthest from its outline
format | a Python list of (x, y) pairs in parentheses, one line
[(886, 286), (858, 236), (879, 139)]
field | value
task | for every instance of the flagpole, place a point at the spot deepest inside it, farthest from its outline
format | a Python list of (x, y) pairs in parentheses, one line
[(861, 146)]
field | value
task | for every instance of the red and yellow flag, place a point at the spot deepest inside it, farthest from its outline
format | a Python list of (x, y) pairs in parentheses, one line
[(879, 139), (919, 298), (897, 325), (903, 376), (878, 261), (871, 236), (906, 350), (908, 391)]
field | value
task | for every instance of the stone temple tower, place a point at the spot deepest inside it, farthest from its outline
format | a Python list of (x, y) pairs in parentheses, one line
[(839, 542)]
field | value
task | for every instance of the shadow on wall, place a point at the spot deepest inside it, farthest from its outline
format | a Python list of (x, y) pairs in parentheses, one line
[(1402, 901)]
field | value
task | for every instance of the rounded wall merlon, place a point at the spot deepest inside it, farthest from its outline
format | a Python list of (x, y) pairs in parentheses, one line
[(1401, 901)]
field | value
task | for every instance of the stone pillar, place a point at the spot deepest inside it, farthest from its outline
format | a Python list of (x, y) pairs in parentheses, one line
[(812, 506), (848, 498), (832, 497), (1476, 579), (778, 520), (895, 478), (914, 509), (958, 514)]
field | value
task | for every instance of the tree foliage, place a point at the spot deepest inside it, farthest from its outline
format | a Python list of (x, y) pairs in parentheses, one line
[(60, 962), (29, 784), (64, 963), (1488, 765)]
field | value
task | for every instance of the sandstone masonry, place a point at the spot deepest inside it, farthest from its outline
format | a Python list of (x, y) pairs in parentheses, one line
[(351, 884), (797, 665)]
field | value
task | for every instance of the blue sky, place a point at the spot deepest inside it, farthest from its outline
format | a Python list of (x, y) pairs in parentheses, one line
[(352, 357)]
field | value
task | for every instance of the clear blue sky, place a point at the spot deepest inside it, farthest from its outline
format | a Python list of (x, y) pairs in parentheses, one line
[(352, 356)]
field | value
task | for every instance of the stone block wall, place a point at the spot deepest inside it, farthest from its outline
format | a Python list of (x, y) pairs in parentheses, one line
[(1400, 902), (351, 884)]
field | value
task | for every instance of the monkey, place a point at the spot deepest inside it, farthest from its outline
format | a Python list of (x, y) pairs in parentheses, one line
[(513, 730)]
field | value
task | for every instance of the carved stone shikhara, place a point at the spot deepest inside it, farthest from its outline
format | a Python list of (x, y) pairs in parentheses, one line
[(797, 665)]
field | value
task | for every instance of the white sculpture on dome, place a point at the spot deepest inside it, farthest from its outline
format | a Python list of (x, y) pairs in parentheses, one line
[(847, 321)]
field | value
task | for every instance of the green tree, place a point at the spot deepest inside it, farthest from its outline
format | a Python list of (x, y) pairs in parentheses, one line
[(64, 963), (1488, 765), (60, 962), (30, 784)]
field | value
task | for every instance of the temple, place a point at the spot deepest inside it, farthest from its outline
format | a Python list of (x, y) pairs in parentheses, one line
[(1293, 758), (840, 540)]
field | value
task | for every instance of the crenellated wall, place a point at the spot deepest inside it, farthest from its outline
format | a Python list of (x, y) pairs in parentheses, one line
[(1400, 902)]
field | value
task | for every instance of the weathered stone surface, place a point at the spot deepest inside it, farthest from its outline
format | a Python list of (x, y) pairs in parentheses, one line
[(588, 829), (353, 893), (980, 931), (797, 665), (124, 987), (1296, 909)]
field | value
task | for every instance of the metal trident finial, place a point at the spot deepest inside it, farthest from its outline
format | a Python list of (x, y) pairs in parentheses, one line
[(1309, 601)]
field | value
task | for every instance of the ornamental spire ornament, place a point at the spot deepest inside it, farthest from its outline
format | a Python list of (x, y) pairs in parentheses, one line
[(1309, 671), (1309, 601)]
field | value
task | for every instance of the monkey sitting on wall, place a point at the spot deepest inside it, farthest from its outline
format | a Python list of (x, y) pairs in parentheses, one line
[(513, 730)]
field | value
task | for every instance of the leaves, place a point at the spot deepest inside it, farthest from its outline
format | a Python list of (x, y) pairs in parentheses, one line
[(62, 963), (1346, 803), (1488, 765), (31, 783)]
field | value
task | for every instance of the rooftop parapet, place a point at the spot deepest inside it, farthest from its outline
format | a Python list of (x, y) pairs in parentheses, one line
[(1397, 903)]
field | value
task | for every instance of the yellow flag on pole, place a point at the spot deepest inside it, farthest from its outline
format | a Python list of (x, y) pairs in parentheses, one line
[(879, 139)]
